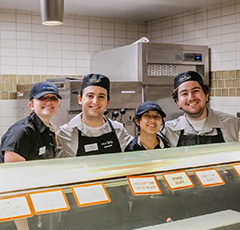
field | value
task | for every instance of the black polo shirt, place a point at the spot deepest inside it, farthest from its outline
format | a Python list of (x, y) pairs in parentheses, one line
[(134, 145), (30, 138)]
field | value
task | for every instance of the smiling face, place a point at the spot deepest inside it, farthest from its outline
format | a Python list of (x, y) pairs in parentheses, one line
[(192, 100), (94, 101), (150, 122), (45, 107)]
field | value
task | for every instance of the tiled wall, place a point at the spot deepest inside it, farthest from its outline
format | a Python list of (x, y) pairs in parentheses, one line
[(29, 48), (217, 26)]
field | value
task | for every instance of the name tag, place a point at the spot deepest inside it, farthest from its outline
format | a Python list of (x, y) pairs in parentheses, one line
[(42, 150), (91, 147)]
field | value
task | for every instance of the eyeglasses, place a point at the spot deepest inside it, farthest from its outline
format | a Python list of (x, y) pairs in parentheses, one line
[(45, 98)]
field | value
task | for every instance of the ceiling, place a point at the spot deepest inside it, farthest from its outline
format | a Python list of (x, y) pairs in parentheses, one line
[(143, 10)]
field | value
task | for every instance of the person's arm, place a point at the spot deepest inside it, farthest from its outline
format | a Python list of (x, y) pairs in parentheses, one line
[(68, 142), (124, 137), (12, 157)]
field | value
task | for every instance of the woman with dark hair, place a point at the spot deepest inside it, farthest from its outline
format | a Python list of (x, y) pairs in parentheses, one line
[(150, 121)]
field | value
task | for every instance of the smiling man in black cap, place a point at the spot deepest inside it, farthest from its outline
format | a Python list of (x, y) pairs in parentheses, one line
[(199, 124), (90, 133)]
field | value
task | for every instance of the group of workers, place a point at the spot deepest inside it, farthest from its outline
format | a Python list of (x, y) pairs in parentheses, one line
[(91, 133)]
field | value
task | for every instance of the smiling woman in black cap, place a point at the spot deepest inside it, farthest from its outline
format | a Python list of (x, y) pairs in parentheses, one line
[(149, 118), (33, 137)]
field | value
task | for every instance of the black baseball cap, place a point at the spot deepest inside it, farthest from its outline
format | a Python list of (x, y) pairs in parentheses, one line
[(187, 76), (42, 88), (96, 80), (149, 105)]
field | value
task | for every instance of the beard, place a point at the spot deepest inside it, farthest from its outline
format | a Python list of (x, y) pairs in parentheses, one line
[(197, 114)]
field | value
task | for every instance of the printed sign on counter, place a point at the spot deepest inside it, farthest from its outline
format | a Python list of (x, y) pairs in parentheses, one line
[(143, 185), (237, 168), (178, 180), (209, 177), (49, 201), (14, 208), (91, 194)]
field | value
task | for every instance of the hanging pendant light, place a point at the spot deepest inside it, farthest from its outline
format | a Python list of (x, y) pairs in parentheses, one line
[(52, 12)]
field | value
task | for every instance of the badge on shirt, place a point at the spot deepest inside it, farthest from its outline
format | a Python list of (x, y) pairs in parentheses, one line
[(42, 150), (91, 147)]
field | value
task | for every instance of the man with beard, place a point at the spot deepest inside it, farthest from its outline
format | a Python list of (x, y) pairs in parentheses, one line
[(199, 124)]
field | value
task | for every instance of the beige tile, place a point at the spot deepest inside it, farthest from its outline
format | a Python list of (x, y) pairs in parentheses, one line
[(2, 87), (13, 95), (21, 79), (5, 78), (238, 74), (213, 75), (218, 93), (235, 83), (214, 84), (220, 83), (4, 95), (29, 79), (228, 83), (225, 92), (238, 92), (44, 78), (232, 74), (232, 92), (225, 74), (36, 78), (212, 92), (9, 86), (218, 75), (13, 78)]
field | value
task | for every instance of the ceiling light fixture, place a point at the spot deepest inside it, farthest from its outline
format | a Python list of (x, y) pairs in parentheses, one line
[(52, 12)]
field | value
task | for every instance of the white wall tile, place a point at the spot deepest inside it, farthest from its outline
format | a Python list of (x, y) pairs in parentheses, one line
[(188, 19), (68, 30), (24, 27), (8, 26), (214, 13), (108, 33), (24, 61), (120, 34), (95, 32), (228, 38), (41, 53), (200, 16), (39, 36), (95, 40), (5, 17), (24, 35), (8, 34), (8, 43), (68, 38), (24, 52), (39, 62), (54, 37), (7, 52), (54, 53), (214, 31), (82, 23), (228, 19), (8, 61), (24, 18), (188, 27), (24, 70)]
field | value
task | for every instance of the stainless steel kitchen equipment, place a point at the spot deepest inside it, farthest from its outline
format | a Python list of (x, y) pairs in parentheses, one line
[(124, 98), (155, 65)]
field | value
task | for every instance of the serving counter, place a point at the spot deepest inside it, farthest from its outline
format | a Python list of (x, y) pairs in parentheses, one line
[(194, 187)]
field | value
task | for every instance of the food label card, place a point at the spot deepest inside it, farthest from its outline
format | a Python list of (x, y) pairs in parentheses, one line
[(91, 194), (14, 208), (237, 168), (49, 201), (143, 185), (178, 180), (209, 177)]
